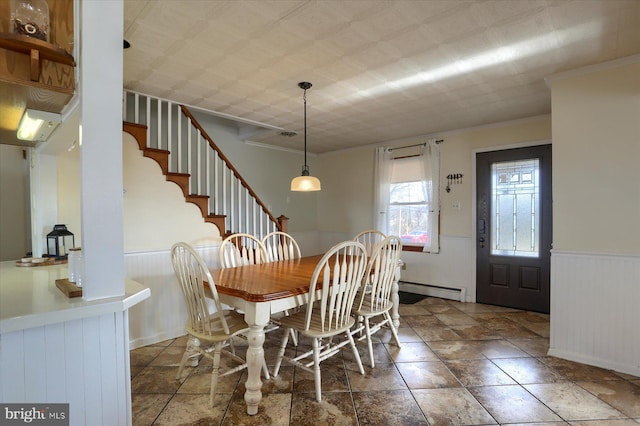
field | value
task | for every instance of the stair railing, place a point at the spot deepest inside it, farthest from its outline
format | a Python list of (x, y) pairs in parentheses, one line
[(210, 180)]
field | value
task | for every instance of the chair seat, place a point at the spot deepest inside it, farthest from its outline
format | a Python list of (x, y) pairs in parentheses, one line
[(235, 322), (380, 306), (298, 320)]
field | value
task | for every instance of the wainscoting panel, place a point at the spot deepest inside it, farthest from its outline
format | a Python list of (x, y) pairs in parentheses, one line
[(70, 362), (163, 315), (595, 309), (452, 268)]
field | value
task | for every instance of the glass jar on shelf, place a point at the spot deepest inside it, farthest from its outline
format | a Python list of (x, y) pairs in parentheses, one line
[(30, 18), (76, 266)]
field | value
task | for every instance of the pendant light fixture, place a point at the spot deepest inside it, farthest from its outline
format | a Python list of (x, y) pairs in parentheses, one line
[(305, 183)]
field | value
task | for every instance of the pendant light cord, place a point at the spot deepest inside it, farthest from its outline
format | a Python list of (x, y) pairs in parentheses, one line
[(304, 96)]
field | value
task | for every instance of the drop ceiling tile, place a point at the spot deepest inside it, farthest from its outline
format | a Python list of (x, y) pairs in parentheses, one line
[(245, 58)]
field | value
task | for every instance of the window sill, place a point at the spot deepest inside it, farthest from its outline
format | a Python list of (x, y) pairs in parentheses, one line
[(411, 248)]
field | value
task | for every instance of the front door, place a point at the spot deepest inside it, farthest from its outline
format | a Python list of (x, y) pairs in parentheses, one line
[(513, 233)]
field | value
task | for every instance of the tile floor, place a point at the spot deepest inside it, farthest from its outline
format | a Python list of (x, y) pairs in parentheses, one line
[(460, 363)]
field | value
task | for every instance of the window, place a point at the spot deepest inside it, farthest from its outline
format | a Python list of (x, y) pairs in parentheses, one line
[(406, 200), (515, 207)]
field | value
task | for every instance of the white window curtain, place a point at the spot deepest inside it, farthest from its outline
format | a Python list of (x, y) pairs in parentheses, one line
[(431, 170), (430, 162), (382, 181)]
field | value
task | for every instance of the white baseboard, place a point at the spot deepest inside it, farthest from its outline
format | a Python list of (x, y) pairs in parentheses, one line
[(159, 337), (597, 362)]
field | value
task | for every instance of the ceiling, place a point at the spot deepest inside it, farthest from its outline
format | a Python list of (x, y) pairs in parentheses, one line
[(381, 70)]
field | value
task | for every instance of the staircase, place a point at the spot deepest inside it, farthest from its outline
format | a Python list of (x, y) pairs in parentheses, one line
[(167, 133)]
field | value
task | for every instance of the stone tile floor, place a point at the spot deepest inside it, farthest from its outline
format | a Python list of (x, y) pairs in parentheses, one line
[(459, 364)]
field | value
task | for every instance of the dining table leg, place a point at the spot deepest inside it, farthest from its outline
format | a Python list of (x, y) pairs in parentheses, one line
[(395, 299), (257, 319)]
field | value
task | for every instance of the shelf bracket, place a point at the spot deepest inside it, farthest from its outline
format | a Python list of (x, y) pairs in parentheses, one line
[(36, 65)]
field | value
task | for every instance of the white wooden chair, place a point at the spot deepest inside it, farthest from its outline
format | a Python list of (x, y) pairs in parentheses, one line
[(242, 249), (327, 316), (380, 275), (210, 333), (370, 238), (281, 246), (245, 249)]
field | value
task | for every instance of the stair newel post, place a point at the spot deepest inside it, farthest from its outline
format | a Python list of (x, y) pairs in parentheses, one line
[(283, 223)]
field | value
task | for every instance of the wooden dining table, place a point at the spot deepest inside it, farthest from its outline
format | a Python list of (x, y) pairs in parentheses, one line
[(262, 290)]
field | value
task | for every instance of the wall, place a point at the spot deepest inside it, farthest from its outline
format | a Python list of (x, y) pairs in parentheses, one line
[(155, 212), (69, 192), (595, 262), (268, 172), (155, 215), (82, 362), (345, 204), (596, 132), (14, 199)]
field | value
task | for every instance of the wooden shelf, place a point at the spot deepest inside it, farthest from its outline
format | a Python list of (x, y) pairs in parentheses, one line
[(23, 44), (35, 74), (68, 288)]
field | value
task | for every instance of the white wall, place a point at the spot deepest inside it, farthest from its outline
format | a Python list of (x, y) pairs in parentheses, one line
[(82, 362), (44, 200), (596, 160), (268, 172), (595, 262), (155, 215), (345, 204), (593, 119), (155, 212), (14, 198), (100, 69)]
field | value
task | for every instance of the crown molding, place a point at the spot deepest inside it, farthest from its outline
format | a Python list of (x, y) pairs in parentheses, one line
[(602, 66)]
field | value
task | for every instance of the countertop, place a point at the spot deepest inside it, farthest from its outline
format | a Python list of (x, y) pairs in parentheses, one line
[(29, 298)]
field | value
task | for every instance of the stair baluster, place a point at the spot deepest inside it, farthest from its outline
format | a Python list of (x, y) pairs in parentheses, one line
[(168, 133)]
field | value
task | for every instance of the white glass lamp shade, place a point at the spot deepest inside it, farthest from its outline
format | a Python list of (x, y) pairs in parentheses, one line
[(305, 184)]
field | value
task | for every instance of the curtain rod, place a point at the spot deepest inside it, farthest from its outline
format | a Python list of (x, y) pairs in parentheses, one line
[(439, 141)]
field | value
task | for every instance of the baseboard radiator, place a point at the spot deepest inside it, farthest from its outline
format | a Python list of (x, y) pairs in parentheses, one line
[(451, 293)]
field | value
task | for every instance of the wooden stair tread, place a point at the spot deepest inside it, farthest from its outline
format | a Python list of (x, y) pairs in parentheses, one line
[(160, 151), (161, 156)]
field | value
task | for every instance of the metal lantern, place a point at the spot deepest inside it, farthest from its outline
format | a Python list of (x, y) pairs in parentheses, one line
[(59, 242)]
